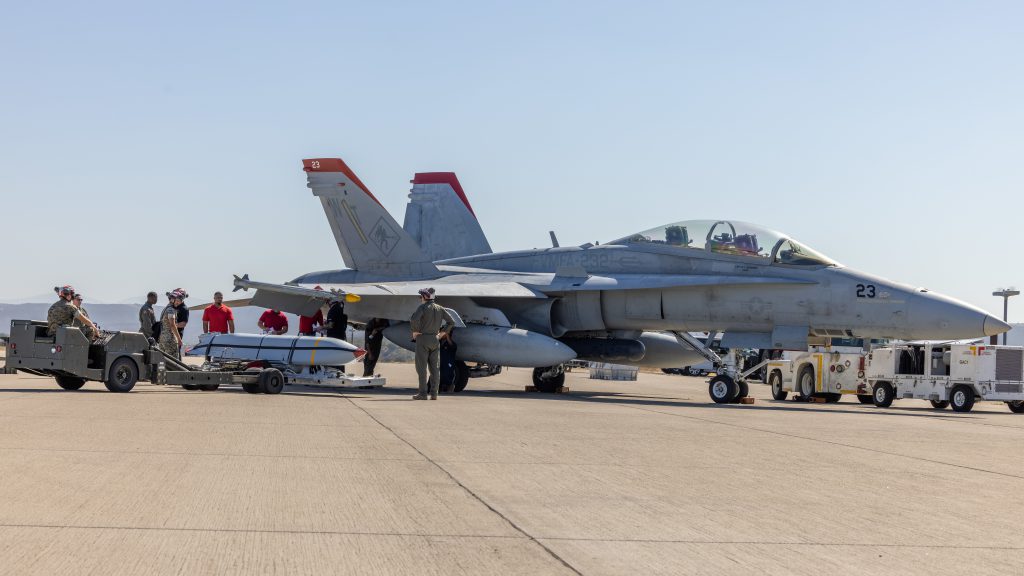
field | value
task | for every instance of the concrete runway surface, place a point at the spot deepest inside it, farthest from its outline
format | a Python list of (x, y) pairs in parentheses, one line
[(644, 477)]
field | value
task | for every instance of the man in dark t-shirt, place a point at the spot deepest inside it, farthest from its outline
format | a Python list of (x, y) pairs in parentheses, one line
[(337, 321)]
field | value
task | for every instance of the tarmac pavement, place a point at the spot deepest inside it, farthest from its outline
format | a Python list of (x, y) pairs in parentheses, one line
[(644, 477)]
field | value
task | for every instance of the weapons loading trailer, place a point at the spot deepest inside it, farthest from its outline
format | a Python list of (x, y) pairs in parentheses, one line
[(120, 360)]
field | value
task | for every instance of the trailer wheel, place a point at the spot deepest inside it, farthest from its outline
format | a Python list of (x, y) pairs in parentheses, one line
[(271, 381), (832, 397), (806, 383), (940, 404), (865, 398), (252, 387), (962, 398), (192, 387), (461, 376), (123, 375), (723, 389), (883, 395), (69, 382), (209, 387), (1016, 406)]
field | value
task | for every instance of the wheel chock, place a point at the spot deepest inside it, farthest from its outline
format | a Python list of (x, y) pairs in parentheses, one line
[(559, 390), (817, 400), (747, 400)]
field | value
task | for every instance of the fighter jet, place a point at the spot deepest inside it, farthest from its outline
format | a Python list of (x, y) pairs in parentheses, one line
[(633, 300)]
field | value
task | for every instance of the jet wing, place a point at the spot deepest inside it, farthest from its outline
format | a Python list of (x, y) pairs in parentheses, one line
[(402, 295)]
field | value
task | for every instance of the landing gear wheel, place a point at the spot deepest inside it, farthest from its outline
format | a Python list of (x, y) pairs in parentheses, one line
[(1017, 406), (123, 375), (832, 398), (462, 376), (775, 381), (940, 404), (865, 398), (550, 384), (271, 381), (744, 391), (723, 389), (883, 395), (805, 383), (962, 398), (252, 387), (70, 382)]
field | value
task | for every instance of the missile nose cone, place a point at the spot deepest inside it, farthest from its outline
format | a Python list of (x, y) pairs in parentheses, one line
[(994, 326)]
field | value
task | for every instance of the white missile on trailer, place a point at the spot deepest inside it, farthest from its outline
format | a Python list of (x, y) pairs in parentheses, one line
[(290, 350)]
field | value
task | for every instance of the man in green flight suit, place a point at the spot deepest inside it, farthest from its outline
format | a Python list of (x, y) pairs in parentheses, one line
[(429, 323)]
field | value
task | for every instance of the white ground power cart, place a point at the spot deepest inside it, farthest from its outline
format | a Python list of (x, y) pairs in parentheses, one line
[(947, 374)]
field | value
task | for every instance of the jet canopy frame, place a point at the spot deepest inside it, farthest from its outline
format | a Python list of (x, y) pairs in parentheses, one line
[(731, 237)]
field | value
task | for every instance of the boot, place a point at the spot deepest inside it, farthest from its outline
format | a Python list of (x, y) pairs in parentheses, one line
[(433, 396), (419, 397)]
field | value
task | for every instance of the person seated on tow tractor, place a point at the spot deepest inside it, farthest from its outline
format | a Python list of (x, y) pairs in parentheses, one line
[(77, 301), (63, 312), (273, 322)]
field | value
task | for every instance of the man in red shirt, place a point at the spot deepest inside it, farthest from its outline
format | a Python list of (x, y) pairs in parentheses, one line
[(274, 322), (217, 317), (308, 325)]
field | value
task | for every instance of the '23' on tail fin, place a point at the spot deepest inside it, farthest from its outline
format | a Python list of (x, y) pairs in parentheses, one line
[(368, 237), (440, 219)]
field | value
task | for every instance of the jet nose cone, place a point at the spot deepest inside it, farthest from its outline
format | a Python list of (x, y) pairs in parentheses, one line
[(995, 326)]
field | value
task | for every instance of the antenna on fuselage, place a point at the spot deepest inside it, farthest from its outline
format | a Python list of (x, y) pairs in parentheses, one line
[(554, 239)]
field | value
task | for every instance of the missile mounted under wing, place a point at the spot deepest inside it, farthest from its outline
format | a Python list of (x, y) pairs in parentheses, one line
[(636, 298)]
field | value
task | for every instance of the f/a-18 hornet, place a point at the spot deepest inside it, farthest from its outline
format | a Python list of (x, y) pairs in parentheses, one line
[(634, 300)]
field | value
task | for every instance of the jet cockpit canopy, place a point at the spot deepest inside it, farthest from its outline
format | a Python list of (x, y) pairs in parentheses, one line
[(731, 237)]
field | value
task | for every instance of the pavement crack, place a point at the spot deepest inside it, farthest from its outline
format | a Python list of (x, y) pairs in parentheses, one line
[(469, 491)]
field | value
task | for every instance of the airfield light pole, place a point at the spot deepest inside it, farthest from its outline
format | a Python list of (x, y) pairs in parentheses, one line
[(1005, 294)]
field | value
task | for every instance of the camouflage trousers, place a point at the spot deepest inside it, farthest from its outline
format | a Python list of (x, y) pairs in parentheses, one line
[(169, 347)]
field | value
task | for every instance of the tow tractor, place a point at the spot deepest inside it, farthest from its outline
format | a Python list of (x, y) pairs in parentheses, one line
[(121, 359), (826, 372), (948, 374)]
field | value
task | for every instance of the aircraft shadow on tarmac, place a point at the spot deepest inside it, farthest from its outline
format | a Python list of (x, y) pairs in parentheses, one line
[(624, 398)]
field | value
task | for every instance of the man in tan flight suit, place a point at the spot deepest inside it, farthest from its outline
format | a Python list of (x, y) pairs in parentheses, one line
[(427, 322)]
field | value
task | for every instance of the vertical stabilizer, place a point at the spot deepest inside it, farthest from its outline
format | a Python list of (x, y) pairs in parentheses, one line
[(368, 237), (440, 219)]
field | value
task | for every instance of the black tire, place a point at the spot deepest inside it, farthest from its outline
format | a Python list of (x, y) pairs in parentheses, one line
[(832, 397), (883, 395), (940, 404), (271, 381), (1017, 406), (805, 383), (69, 382), (723, 389), (775, 381), (191, 387), (744, 391), (462, 376), (252, 387), (547, 385), (865, 398), (123, 375), (209, 387), (961, 399)]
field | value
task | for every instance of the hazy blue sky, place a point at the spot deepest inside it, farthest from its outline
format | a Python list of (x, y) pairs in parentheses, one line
[(148, 147)]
